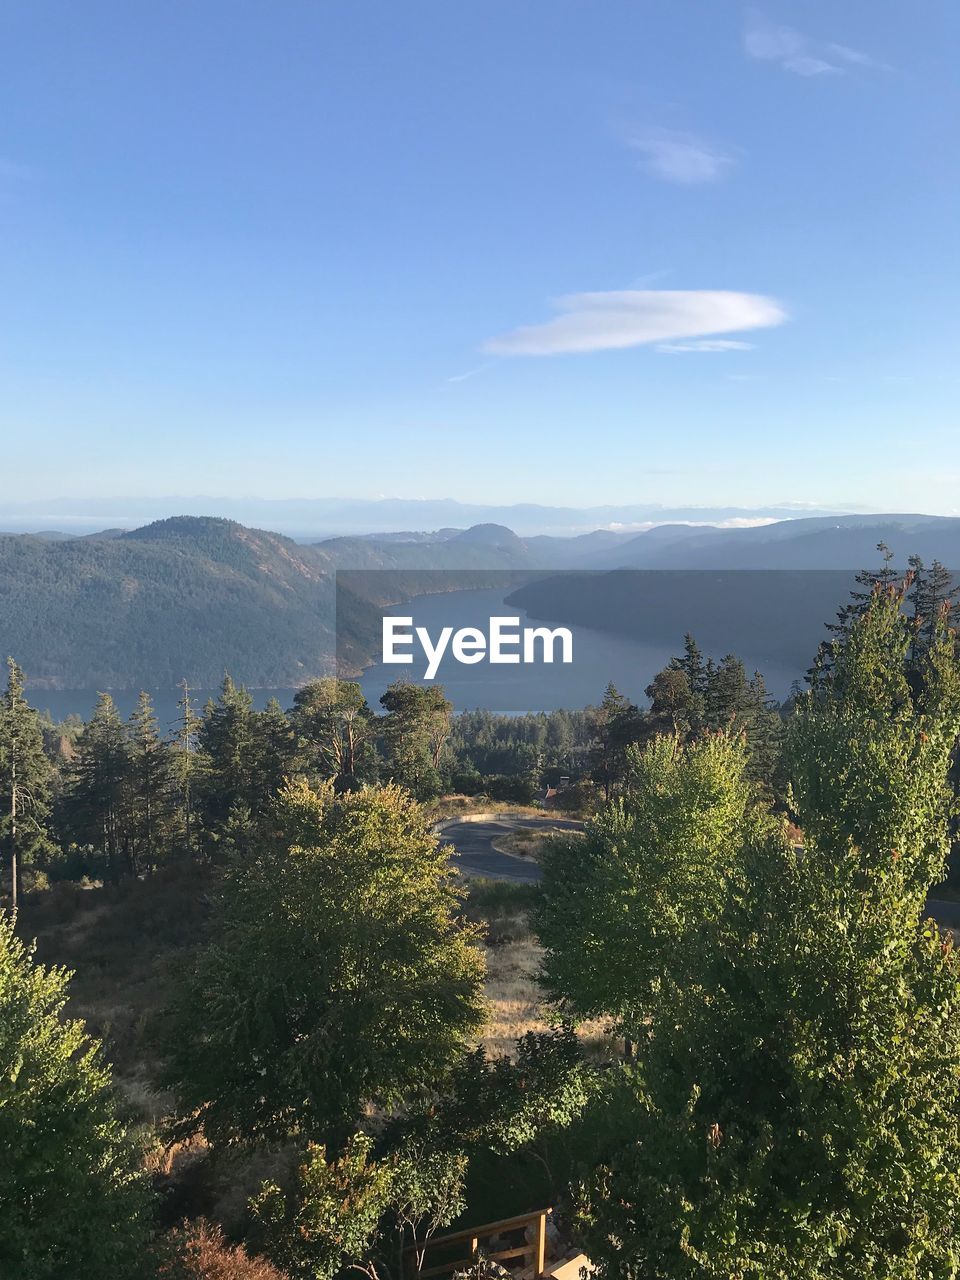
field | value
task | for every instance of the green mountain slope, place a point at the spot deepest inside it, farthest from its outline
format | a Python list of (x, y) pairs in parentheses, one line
[(192, 597), (182, 598)]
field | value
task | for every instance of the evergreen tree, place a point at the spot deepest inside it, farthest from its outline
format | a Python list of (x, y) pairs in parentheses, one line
[(334, 730), (228, 744), (184, 763), (149, 786), (275, 747), (97, 798), (867, 580), (25, 779), (617, 724), (694, 668), (673, 708), (72, 1200), (932, 597), (415, 729)]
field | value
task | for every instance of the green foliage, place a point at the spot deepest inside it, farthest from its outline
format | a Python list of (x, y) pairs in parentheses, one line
[(72, 1202), (150, 788), (182, 597), (25, 780), (332, 1218), (415, 728), (334, 728), (796, 1091), (869, 754), (244, 758), (484, 744), (96, 808), (508, 1103), (617, 725), (647, 875), (357, 1211), (338, 974)]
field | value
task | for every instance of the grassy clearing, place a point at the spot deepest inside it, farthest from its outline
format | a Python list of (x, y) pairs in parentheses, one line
[(460, 806), (516, 999), (122, 944), (528, 842)]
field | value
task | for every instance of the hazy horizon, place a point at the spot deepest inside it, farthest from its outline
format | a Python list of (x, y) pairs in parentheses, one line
[(326, 516)]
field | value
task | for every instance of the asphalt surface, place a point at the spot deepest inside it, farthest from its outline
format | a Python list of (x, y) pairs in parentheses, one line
[(475, 855), (946, 914)]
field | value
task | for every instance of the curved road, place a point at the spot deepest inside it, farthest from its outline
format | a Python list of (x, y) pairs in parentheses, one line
[(475, 855), (474, 852)]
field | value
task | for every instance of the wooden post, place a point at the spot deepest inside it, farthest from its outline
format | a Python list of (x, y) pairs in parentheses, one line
[(540, 1261)]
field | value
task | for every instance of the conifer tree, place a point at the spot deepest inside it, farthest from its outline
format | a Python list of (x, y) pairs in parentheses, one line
[(185, 763), (415, 729), (275, 751), (97, 799), (25, 779), (228, 743), (149, 785), (334, 726), (72, 1199)]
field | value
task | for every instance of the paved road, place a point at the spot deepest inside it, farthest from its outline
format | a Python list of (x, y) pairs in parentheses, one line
[(475, 854), (944, 912)]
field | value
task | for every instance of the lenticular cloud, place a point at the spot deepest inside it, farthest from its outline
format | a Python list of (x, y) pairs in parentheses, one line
[(636, 317)]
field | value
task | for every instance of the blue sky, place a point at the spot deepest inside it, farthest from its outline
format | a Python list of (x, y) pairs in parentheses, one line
[(568, 252)]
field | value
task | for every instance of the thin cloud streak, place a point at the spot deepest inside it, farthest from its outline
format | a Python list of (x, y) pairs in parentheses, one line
[(705, 344), (638, 317), (793, 51), (471, 373), (680, 157)]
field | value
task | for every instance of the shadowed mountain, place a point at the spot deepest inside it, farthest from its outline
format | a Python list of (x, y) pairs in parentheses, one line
[(191, 597), (844, 542)]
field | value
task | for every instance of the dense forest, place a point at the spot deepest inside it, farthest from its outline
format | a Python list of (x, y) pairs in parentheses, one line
[(749, 1059)]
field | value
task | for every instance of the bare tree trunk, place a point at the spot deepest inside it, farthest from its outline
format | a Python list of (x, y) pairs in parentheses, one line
[(14, 861)]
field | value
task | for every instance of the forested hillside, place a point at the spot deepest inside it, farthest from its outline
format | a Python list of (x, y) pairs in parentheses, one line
[(192, 597), (181, 598), (188, 598)]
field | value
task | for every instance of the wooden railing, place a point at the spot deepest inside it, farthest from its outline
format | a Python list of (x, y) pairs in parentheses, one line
[(535, 1252)]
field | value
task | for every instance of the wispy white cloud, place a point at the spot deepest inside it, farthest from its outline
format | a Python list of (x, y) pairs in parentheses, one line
[(638, 317), (705, 344), (470, 373), (857, 57), (796, 52), (680, 157)]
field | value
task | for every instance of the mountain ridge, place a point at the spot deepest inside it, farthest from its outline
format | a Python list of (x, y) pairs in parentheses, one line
[(192, 597)]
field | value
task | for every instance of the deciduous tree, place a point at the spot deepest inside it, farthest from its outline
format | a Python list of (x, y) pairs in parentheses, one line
[(338, 975), (797, 1084)]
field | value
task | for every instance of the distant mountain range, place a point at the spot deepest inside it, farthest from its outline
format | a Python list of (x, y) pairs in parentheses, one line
[(196, 596), (310, 518)]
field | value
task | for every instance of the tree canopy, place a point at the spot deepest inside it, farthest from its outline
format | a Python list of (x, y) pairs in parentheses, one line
[(72, 1199), (338, 972), (796, 1091)]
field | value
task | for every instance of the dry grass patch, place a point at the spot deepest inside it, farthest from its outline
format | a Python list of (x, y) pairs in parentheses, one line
[(513, 956), (513, 993), (528, 842)]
